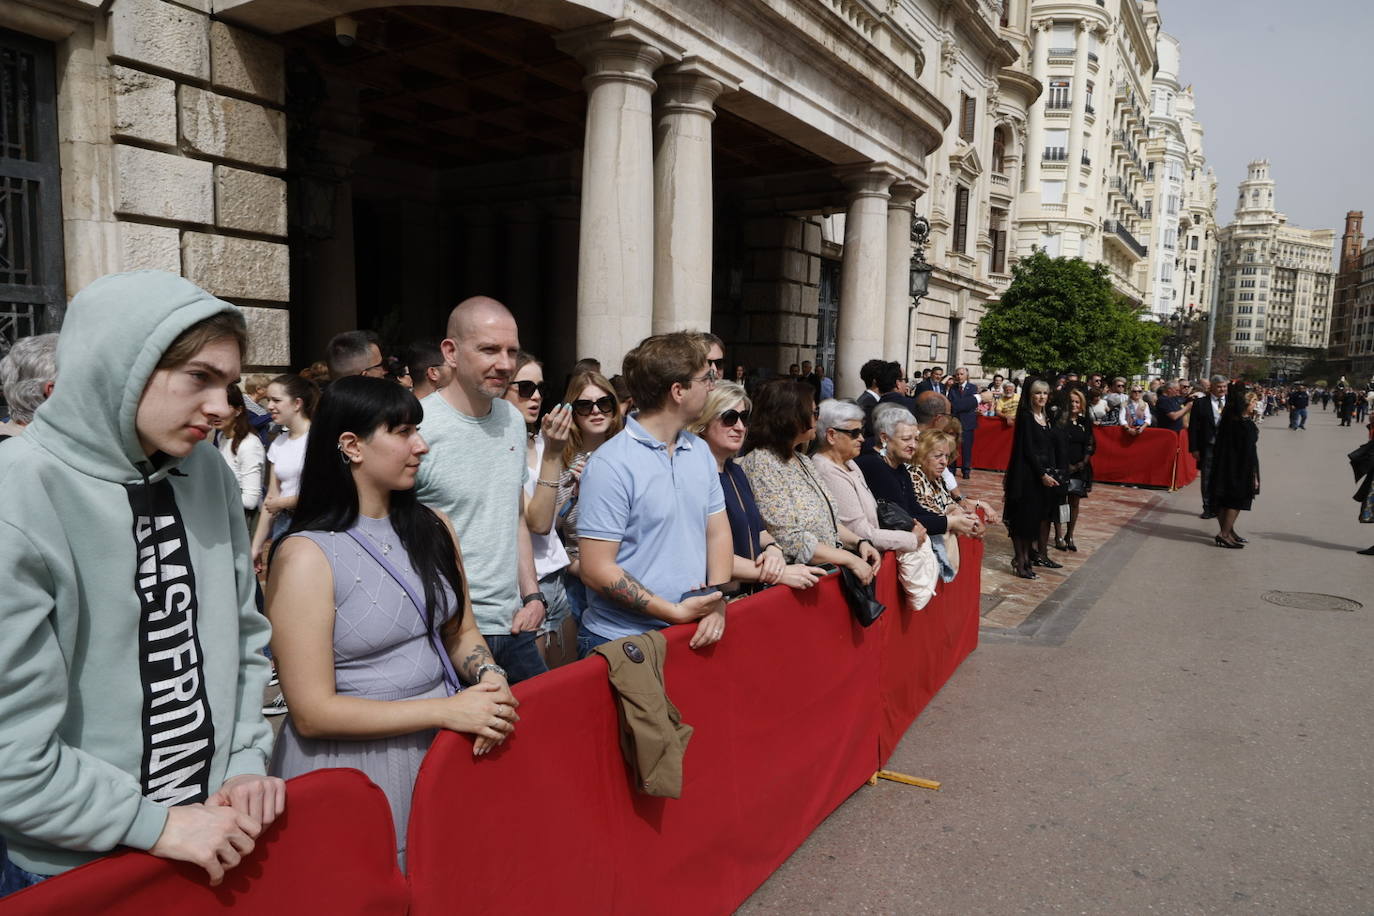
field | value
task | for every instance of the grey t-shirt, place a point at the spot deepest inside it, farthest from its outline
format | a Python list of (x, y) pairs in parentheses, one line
[(475, 473)]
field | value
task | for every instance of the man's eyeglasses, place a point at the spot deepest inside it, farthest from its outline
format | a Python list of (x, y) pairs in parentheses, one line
[(729, 418), (855, 433), (584, 407), (526, 388), (710, 377)]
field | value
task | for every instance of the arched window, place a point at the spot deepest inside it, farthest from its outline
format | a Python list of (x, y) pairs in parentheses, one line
[(999, 149)]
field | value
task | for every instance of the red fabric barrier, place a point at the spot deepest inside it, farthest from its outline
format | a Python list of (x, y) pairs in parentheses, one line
[(332, 851), (921, 649), (786, 712), (992, 444), (1147, 460)]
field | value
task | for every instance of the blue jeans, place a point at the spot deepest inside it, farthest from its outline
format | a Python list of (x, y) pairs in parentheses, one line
[(518, 653), (12, 877), (1297, 418), (587, 641), (576, 591)]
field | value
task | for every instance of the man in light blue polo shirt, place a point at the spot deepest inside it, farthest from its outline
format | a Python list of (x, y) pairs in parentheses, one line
[(651, 515)]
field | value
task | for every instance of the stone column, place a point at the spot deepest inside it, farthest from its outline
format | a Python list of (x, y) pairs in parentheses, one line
[(898, 304), (1035, 118), (683, 211), (863, 275), (615, 273), (1078, 114)]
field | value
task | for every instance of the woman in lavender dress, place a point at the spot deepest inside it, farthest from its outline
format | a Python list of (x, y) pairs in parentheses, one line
[(360, 662)]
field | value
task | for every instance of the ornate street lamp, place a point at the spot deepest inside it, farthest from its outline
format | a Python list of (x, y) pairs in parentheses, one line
[(918, 275)]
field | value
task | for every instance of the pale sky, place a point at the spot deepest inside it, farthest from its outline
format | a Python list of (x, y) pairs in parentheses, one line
[(1291, 83)]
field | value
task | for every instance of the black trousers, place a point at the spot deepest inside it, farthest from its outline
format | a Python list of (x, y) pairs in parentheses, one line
[(1204, 466)]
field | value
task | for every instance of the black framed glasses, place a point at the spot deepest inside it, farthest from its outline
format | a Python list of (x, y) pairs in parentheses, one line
[(526, 388), (584, 407), (855, 433), (729, 418)]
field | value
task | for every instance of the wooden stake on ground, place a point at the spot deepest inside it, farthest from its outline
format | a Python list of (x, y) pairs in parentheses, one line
[(904, 779)]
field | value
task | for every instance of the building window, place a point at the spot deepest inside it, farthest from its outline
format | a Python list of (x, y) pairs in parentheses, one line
[(1052, 192), (1059, 96), (999, 150), (1049, 243), (1056, 145), (32, 289), (960, 218), (968, 116), (1192, 243)]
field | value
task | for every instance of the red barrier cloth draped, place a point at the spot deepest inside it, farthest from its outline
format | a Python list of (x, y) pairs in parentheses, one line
[(786, 712), (1187, 465), (1146, 460), (992, 444), (921, 649), (333, 851)]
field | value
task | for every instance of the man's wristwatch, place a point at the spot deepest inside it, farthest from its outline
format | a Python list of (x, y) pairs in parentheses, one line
[(483, 669), (534, 596)]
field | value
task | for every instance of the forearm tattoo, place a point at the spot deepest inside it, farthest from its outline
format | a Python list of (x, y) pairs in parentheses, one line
[(478, 657), (629, 592)]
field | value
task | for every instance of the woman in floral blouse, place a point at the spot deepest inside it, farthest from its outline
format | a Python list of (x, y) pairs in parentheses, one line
[(795, 503)]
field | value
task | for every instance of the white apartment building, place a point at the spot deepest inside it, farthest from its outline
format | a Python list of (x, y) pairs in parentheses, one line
[(1083, 193), (1198, 235), (1276, 279)]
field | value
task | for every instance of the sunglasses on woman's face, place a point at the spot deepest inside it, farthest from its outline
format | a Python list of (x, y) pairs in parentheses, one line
[(583, 407), (526, 388), (730, 417), (856, 433)]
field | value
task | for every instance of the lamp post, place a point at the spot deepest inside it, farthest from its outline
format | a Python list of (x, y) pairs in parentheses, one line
[(918, 275)]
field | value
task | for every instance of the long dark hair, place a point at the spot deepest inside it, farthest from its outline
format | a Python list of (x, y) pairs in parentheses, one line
[(300, 389), (782, 409), (328, 499), (242, 428), (1234, 409)]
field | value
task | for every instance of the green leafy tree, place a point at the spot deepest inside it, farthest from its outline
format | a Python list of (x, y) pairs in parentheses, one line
[(1062, 313)]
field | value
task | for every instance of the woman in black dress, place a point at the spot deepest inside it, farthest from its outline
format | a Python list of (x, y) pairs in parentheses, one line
[(1074, 430), (1032, 482), (1235, 464)]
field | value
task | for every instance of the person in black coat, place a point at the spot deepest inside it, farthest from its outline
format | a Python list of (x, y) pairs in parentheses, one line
[(1074, 430), (1235, 464), (963, 404), (1032, 484), (1202, 434)]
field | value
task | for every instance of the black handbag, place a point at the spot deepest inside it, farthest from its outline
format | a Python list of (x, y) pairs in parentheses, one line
[(893, 517), (1077, 486), (863, 599)]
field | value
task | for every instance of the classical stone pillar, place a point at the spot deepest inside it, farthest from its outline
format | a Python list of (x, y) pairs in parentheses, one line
[(683, 212), (898, 304), (1078, 114), (615, 273), (1035, 118), (863, 274)]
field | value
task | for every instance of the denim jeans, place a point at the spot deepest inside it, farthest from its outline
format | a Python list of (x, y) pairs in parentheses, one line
[(576, 591), (518, 653), (12, 877), (1297, 418), (587, 641)]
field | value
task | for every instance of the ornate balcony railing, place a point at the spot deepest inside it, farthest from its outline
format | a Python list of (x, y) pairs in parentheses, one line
[(1118, 229)]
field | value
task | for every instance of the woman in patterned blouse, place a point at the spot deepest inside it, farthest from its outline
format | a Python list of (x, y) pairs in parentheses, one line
[(795, 503)]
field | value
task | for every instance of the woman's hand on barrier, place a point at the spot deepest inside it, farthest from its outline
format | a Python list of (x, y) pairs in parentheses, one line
[(799, 575), (263, 798), (770, 564), (870, 555), (860, 568), (214, 837), (486, 709), (709, 629)]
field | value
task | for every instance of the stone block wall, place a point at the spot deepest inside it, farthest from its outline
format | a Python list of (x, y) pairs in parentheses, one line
[(774, 323), (199, 151)]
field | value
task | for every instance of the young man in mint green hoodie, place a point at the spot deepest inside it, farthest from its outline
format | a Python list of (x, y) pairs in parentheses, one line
[(131, 673)]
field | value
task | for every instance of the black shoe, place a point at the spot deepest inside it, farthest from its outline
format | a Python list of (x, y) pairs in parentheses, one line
[(1367, 552), (1059, 544), (1046, 562), (1238, 539), (966, 475), (1227, 544), (1024, 573), (1208, 514), (1070, 546)]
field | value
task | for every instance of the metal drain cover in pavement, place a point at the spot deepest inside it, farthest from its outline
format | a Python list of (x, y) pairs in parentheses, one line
[(1311, 601)]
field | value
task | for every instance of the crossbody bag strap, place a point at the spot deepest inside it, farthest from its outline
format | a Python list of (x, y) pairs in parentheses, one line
[(820, 491), (450, 676)]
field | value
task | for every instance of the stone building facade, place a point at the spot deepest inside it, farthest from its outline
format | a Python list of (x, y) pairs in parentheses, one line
[(1346, 291), (1362, 322), (608, 169), (1276, 279)]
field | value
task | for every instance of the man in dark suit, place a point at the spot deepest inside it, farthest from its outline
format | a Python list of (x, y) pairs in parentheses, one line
[(932, 382), (1202, 435), (963, 404), (887, 377), (868, 372)]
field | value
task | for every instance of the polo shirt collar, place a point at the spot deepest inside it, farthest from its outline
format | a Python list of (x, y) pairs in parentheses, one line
[(643, 437)]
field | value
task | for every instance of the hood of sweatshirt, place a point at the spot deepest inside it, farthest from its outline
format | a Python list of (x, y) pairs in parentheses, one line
[(115, 332)]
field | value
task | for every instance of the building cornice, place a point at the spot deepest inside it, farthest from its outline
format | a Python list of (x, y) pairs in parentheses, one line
[(986, 39), (1014, 82)]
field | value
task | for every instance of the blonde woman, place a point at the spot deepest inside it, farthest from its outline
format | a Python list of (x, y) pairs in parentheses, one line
[(596, 418)]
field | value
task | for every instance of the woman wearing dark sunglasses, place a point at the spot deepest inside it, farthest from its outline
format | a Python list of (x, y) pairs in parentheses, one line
[(596, 418), (557, 637), (723, 423)]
